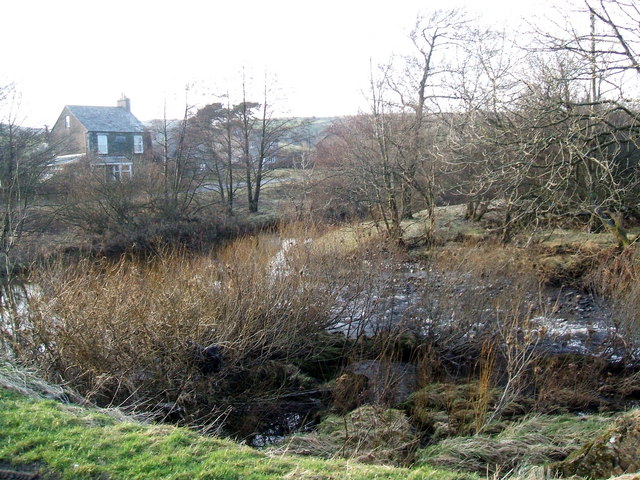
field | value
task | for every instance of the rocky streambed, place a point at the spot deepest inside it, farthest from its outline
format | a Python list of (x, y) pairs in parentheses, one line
[(456, 310), (425, 302)]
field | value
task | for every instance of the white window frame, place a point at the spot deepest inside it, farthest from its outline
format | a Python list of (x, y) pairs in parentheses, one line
[(138, 144), (126, 169), (120, 171), (67, 121), (103, 144)]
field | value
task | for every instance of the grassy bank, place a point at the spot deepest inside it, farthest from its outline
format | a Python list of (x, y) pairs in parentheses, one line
[(69, 442)]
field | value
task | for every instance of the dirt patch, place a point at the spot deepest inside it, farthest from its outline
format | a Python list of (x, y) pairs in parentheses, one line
[(29, 471)]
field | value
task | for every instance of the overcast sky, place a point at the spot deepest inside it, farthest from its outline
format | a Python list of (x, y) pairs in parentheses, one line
[(77, 52)]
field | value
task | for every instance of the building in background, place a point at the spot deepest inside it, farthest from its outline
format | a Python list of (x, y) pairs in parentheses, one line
[(111, 138)]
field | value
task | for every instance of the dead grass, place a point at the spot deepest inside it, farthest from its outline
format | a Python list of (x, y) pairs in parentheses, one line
[(573, 383), (368, 434), (27, 383), (617, 277), (451, 224), (132, 332), (576, 238), (534, 440), (443, 410), (471, 292)]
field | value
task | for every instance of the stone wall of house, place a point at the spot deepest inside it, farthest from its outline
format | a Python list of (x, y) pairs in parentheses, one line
[(120, 144), (68, 140)]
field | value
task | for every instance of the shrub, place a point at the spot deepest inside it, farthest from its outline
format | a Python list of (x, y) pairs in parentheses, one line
[(136, 332)]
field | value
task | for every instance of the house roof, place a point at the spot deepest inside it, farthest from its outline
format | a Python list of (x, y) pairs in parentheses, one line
[(106, 119)]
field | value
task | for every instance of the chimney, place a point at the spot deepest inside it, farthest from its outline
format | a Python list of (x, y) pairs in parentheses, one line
[(125, 103)]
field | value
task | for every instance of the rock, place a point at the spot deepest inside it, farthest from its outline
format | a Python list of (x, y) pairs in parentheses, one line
[(207, 359), (615, 452)]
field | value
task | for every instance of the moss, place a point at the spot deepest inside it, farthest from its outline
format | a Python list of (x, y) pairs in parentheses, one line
[(614, 452)]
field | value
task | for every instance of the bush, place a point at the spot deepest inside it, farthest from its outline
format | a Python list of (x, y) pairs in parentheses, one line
[(138, 215), (194, 334)]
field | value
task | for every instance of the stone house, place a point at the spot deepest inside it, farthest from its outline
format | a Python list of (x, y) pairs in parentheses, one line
[(109, 137)]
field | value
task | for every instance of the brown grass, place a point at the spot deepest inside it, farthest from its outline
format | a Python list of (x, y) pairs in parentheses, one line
[(368, 434), (470, 292), (129, 332), (617, 277)]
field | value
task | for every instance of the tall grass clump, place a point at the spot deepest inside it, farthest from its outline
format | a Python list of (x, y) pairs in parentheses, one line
[(534, 440), (194, 336), (368, 434), (617, 278), (478, 297)]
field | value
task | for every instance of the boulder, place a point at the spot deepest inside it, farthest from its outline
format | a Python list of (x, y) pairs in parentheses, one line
[(615, 452), (207, 359)]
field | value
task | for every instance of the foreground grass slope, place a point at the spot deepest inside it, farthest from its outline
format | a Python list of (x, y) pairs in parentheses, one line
[(70, 442)]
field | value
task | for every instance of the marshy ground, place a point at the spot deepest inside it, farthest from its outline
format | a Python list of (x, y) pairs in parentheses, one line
[(465, 355)]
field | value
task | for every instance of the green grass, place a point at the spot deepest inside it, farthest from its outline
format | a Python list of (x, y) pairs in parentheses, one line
[(71, 442)]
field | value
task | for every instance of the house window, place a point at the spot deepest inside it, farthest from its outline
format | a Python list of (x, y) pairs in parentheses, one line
[(103, 146), (138, 146), (67, 121), (119, 171), (126, 170)]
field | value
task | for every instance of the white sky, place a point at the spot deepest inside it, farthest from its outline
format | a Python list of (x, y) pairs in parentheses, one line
[(80, 52)]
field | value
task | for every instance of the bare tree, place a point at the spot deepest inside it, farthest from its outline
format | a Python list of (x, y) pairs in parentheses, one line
[(24, 159), (485, 83), (181, 170), (620, 35), (397, 156), (263, 137), (103, 206), (549, 135), (578, 124), (423, 91)]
